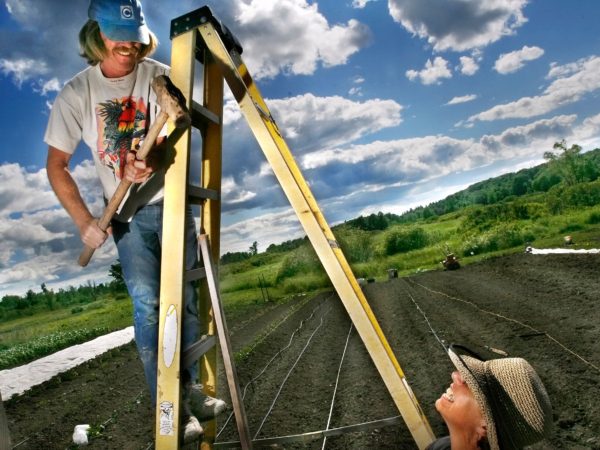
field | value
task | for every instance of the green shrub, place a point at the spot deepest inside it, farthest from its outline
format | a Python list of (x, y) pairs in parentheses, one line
[(76, 310), (306, 283), (355, 244), (563, 197), (480, 243), (593, 218), (570, 228), (486, 217), (499, 238), (301, 260), (404, 240)]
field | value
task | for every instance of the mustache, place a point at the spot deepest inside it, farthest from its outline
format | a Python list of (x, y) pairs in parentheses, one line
[(133, 51)]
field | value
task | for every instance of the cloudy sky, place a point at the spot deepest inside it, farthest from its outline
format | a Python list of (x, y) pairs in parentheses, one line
[(385, 104)]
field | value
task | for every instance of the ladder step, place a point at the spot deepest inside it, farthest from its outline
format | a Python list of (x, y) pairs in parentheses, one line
[(197, 195), (196, 350), (202, 116), (194, 274)]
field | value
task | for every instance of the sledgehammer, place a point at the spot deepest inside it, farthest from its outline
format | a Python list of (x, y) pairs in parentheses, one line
[(172, 105)]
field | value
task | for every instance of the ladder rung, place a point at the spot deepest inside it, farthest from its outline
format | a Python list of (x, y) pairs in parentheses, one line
[(201, 116), (197, 195), (194, 274), (196, 350)]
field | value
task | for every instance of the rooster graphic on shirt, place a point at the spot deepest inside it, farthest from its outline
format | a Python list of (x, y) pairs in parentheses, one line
[(121, 125)]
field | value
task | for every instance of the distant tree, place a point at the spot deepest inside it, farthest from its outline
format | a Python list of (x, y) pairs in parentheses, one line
[(377, 221), (49, 296), (545, 181), (254, 248), (428, 212), (233, 257), (520, 185), (116, 273), (286, 245), (481, 198), (567, 162)]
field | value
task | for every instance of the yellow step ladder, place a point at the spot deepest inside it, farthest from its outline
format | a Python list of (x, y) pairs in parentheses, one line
[(200, 36), (178, 193)]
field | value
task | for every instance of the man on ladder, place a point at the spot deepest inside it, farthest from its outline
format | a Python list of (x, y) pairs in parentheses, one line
[(110, 106)]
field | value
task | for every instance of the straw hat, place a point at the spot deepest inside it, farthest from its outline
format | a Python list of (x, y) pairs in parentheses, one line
[(513, 399)]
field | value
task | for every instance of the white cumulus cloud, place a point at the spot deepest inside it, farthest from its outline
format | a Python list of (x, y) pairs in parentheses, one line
[(577, 80), (513, 61), (23, 69), (458, 24), (292, 36), (360, 3), (468, 65), (432, 73), (308, 120), (462, 99)]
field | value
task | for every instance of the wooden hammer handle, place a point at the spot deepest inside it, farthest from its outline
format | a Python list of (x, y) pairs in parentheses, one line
[(123, 187)]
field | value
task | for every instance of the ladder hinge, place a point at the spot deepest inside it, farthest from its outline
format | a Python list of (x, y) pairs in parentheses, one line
[(198, 17)]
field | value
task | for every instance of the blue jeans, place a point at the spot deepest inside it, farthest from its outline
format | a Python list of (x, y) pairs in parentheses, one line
[(139, 245)]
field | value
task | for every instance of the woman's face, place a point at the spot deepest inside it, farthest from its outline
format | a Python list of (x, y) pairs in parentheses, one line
[(458, 406)]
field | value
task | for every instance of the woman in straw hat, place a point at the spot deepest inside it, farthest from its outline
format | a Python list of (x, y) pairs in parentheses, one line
[(497, 404)]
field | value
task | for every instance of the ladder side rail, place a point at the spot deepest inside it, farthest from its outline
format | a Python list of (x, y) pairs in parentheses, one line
[(210, 219), (304, 204), (168, 420)]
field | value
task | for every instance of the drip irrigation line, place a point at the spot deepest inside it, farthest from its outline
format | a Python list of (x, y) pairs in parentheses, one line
[(289, 373), (337, 379), (441, 341), (275, 442), (535, 330), (21, 443), (253, 380)]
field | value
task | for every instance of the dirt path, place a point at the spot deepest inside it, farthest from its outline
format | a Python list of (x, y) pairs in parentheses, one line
[(543, 308)]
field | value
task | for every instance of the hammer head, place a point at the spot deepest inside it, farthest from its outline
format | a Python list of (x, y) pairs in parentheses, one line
[(171, 101)]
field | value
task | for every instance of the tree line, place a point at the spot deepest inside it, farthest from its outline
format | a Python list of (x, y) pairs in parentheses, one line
[(14, 306)]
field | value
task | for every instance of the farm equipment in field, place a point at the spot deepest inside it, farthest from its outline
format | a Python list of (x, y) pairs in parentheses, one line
[(450, 261)]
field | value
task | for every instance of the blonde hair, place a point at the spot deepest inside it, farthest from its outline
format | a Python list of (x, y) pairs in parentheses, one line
[(93, 49)]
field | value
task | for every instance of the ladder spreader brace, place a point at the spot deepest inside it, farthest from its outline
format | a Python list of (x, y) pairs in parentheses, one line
[(200, 36)]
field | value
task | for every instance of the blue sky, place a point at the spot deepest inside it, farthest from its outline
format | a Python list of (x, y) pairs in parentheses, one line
[(386, 105)]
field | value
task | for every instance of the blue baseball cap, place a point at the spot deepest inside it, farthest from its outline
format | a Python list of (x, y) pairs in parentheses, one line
[(120, 20)]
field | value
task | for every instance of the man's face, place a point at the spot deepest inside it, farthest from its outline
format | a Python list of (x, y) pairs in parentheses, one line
[(458, 406), (120, 56)]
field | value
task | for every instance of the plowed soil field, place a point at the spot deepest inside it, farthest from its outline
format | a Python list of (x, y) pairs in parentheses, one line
[(311, 372)]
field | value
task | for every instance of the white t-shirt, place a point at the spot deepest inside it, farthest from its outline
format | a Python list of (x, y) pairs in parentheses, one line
[(111, 115)]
